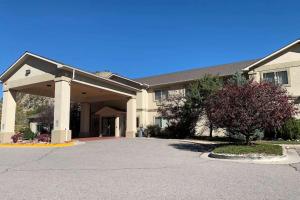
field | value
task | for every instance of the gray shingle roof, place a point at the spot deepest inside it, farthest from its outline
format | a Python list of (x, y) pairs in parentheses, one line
[(194, 74)]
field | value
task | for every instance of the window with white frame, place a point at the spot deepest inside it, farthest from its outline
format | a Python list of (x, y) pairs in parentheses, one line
[(279, 77), (161, 95), (161, 122)]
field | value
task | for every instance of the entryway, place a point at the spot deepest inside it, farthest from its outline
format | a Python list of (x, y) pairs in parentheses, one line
[(108, 126)]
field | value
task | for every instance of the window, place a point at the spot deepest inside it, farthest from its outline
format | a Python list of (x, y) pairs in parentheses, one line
[(280, 77), (161, 95), (269, 77), (161, 122)]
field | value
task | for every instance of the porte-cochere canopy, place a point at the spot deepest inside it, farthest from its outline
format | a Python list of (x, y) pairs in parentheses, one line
[(33, 74)]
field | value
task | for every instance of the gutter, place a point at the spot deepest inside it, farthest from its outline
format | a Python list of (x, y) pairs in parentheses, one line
[(97, 77)]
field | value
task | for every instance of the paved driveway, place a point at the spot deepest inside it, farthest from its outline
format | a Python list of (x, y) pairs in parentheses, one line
[(139, 169)]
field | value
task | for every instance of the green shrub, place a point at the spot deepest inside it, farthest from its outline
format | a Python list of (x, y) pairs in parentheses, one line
[(290, 130), (175, 131), (28, 134), (153, 131)]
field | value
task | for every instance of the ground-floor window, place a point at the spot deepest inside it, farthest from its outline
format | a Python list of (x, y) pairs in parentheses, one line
[(280, 77), (161, 122)]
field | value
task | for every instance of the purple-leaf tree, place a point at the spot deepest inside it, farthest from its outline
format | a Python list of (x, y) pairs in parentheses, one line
[(243, 109)]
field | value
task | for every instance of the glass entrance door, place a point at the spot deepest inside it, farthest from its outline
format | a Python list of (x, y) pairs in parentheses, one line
[(108, 126)]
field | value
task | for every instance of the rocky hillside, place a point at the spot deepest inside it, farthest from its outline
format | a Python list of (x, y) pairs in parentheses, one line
[(28, 105)]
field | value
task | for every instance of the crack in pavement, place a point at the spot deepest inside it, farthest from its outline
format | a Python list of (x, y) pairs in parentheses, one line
[(103, 170), (97, 169), (27, 162), (45, 155), (294, 167)]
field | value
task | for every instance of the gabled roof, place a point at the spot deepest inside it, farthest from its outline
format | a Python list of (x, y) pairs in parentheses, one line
[(7, 73), (110, 110), (194, 74), (270, 56)]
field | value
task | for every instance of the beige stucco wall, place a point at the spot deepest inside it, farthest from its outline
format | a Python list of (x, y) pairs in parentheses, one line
[(147, 105), (202, 129), (36, 67), (290, 55), (289, 61)]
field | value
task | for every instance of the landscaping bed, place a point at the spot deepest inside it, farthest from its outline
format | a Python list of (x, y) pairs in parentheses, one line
[(278, 142), (26, 136), (262, 149)]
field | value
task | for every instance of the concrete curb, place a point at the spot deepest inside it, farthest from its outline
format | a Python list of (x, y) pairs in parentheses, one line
[(204, 141), (41, 145), (248, 156), (290, 157)]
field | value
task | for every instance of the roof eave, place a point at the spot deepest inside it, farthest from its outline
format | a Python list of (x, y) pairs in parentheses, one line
[(271, 55), (61, 66), (91, 75)]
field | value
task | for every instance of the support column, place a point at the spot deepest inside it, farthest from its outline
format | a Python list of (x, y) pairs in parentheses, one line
[(131, 118), (85, 119), (61, 131), (144, 109), (117, 126), (8, 117)]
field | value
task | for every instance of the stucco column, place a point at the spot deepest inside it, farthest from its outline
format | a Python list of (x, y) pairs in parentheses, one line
[(117, 126), (131, 118), (8, 117), (144, 108), (84, 119), (61, 130)]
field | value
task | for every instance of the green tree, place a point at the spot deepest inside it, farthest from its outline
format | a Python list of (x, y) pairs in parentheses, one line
[(198, 93), (184, 110), (238, 79)]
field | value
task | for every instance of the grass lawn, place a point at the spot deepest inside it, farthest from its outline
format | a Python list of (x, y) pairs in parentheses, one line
[(277, 142), (267, 149), (215, 138)]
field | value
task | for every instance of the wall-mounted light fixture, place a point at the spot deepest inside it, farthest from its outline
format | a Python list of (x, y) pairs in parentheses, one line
[(27, 72)]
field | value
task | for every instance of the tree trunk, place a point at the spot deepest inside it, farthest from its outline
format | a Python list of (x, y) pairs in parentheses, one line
[(210, 130), (247, 139)]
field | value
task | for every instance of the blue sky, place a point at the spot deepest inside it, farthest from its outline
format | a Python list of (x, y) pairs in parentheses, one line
[(138, 38)]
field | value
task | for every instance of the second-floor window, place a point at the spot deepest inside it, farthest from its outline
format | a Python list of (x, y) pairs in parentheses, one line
[(280, 77), (161, 95)]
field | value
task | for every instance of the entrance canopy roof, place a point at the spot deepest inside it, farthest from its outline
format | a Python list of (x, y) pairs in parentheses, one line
[(35, 74)]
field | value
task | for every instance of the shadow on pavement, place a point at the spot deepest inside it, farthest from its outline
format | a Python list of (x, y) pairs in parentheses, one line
[(194, 147)]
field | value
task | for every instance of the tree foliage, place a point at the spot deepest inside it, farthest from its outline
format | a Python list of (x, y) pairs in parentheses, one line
[(246, 108), (183, 110), (238, 79)]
